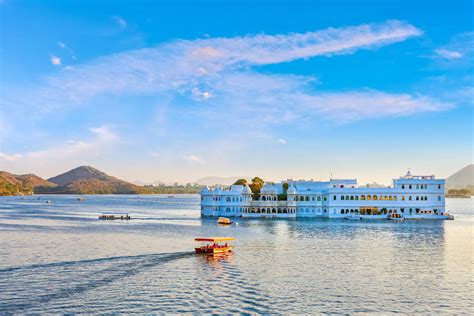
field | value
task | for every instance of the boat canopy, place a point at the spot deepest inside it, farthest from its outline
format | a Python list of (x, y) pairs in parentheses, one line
[(214, 239)]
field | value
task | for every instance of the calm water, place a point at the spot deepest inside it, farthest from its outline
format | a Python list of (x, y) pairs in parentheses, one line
[(59, 258)]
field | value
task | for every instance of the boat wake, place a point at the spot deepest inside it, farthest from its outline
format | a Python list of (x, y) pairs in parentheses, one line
[(71, 278)]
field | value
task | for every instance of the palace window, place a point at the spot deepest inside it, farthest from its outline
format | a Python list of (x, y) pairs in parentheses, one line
[(417, 198), (319, 198), (394, 197), (307, 198), (362, 197), (390, 198), (352, 197), (386, 198), (342, 197), (439, 197), (334, 198), (347, 197), (374, 198), (403, 198), (369, 197), (417, 186), (409, 197), (403, 186), (357, 197), (439, 186), (409, 186)]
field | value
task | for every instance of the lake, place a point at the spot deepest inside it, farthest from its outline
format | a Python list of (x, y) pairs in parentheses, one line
[(59, 258)]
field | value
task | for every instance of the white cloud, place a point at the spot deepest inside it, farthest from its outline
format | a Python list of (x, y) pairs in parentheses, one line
[(219, 71), (458, 51), (62, 45), (101, 137), (281, 141), (194, 159), (120, 21), (448, 54), (56, 61), (12, 157)]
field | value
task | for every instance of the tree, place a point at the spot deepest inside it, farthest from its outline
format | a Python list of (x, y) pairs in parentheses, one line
[(240, 182), (256, 186)]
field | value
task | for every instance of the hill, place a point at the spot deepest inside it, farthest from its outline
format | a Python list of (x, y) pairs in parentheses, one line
[(218, 180), (461, 178), (88, 180), (82, 173), (13, 184)]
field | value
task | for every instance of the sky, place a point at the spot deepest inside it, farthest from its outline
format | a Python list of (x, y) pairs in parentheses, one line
[(173, 91)]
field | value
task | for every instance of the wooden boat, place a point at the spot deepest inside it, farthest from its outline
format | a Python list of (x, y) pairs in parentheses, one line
[(113, 216), (224, 221), (216, 247)]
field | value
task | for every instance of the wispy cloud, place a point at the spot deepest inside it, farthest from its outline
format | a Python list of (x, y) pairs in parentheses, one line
[(11, 157), (194, 159), (100, 138), (459, 48), (282, 141), (448, 54), (120, 21), (56, 61), (200, 69)]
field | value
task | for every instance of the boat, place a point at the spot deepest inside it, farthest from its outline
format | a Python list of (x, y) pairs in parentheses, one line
[(113, 216), (449, 217), (80, 199), (396, 217), (353, 217), (48, 202), (224, 221), (216, 247)]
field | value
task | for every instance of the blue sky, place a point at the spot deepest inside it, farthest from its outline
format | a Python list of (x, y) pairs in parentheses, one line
[(178, 90)]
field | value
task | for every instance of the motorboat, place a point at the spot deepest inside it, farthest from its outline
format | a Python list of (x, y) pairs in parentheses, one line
[(396, 217), (214, 245), (224, 221)]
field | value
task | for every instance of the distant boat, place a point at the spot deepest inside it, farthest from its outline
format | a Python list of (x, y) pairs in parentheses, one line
[(353, 217), (48, 202), (113, 216), (170, 196), (396, 217), (80, 199), (224, 221)]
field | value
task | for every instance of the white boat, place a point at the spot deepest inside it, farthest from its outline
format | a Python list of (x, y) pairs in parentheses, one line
[(396, 217), (353, 217)]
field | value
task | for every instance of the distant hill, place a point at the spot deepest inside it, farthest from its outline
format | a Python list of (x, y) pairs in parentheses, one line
[(13, 184), (218, 180), (88, 180), (462, 178), (83, 173)]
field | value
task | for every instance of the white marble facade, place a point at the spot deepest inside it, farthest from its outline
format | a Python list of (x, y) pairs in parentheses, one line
[(411, 196)]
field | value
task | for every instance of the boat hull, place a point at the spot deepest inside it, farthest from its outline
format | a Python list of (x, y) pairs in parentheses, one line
[(210, 250)]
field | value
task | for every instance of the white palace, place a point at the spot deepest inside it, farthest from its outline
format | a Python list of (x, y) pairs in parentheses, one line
[(413, 197)]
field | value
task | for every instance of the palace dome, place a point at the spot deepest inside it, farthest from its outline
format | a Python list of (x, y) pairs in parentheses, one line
[(291, 190), (246, 190)]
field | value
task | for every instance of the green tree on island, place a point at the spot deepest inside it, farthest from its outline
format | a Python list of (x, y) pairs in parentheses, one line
[(256, 186), (241, 182)]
